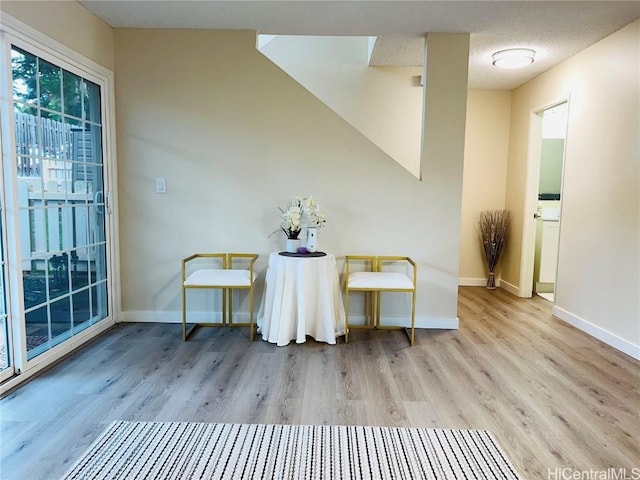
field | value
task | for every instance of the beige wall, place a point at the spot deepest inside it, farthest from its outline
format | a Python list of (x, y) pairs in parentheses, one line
[(69, 23), (485, 173), (235, 137), (599, 257)]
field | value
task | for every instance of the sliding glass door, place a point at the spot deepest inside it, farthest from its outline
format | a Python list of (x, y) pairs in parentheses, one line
[(54, 205), (58, 135)]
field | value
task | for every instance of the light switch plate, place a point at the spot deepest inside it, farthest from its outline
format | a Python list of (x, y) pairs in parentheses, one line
[(161, 185)]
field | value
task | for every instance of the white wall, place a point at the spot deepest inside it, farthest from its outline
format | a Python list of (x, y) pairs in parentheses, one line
[(235, 137), (383, 103), (599, 257)]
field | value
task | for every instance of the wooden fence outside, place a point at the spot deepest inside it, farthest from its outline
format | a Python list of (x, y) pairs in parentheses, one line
[(42, 140), (51, 188)]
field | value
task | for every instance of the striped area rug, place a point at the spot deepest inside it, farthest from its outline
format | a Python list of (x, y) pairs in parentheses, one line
[(175, 450)]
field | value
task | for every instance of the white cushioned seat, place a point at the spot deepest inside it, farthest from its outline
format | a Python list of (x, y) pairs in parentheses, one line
[(212, 277), (380, 280)]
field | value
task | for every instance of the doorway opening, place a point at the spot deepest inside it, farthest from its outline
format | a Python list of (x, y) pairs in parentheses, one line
[(549, 200)]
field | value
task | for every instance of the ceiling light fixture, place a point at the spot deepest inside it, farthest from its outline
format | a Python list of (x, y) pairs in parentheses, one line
[(513, 58)]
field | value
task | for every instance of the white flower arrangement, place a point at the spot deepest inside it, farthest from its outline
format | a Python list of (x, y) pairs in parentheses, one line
[(299, 211), (313, 213)]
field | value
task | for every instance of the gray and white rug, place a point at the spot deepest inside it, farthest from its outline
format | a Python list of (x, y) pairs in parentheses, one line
[(175, 450)]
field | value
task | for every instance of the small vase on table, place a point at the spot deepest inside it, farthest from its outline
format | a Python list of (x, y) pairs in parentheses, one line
[(293, 244), (312, 239)]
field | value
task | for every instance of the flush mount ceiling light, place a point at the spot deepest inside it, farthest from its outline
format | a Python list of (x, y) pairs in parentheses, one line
[(513, 58)]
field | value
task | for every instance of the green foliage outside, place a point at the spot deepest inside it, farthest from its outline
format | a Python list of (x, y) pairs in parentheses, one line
[(58, 92)]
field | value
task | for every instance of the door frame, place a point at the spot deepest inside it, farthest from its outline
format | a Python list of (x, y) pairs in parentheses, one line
[(9, 340), (13, 31), (527, 259)]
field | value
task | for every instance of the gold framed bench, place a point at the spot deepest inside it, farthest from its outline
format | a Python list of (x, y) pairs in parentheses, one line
[(223, 276), (376, 281)]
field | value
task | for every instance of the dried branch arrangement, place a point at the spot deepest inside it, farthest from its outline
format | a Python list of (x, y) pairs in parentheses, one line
[(494, 229)]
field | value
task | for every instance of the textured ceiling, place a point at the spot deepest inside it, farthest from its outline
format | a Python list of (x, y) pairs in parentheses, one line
[(555, 29)]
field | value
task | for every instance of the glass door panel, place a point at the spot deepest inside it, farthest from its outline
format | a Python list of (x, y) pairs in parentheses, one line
[(58, 131)]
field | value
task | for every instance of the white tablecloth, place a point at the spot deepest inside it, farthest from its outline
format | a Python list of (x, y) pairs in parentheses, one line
[(301, 297)]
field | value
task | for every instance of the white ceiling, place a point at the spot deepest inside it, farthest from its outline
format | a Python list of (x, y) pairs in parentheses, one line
[(555, 29)]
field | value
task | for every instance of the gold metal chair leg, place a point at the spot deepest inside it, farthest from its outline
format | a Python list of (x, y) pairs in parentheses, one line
[(230, 318), (224, 306), (411, 332), (346, 315), (251, 323), (184, 314), (413, 318)]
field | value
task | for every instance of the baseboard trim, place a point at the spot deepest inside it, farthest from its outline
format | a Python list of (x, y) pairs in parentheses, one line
[(147, 316), (512, 289), (475, 282), (482, 282), (598, 332)]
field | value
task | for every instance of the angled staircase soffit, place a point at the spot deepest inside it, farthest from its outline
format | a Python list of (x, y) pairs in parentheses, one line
[(364, 69)]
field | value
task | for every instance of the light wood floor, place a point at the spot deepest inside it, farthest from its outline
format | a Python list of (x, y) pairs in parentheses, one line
[(551, 395)]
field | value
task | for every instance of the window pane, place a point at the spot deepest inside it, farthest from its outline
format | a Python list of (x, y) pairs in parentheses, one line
[(92, 102), (99, 302), (81, 309), (61, 317), (34, 284), (37, 326), (27, 124), (79, 269), (24, 69), (60, 171), (72, 90), (50, 82), (52, 222), (70, 125), (96, 145), (54, 139), (58, 275), (82, 153), (66, 226), (81, 228), (97, 264), (32, 236)]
